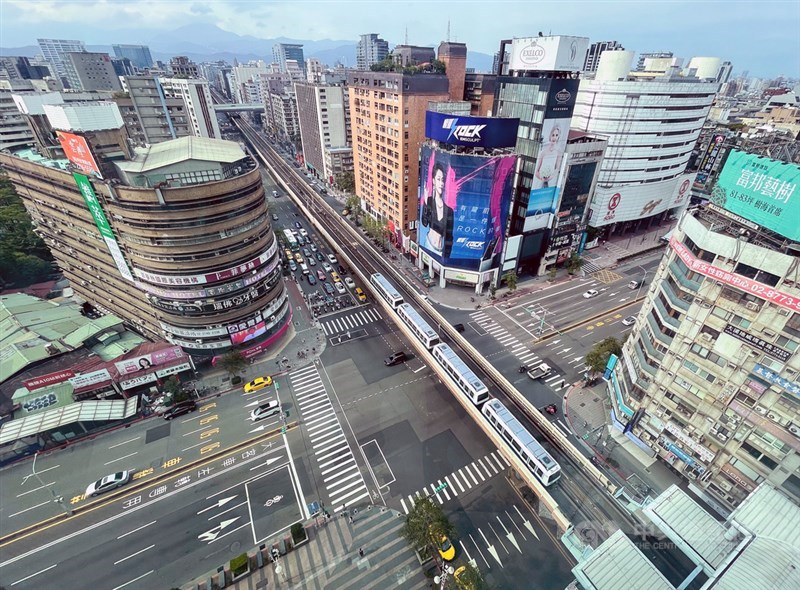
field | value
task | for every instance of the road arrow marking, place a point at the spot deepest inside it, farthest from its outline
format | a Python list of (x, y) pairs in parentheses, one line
[(212, 535), (527, 524), (219, 504), (578, 358), (554, 342), (566, 350), (509, 535), (268, 463), (491, 549), (254, 403)]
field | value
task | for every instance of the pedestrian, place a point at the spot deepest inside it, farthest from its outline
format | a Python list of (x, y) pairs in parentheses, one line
[(351, 519), (361, 552)]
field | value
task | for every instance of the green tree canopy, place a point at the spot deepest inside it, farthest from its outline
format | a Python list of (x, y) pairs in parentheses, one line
[(425, 524), (346, 181), (233, 362), (511, 280), (574, 264), (598, 356)]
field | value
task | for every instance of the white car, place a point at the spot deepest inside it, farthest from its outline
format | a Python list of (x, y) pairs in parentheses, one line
[(303, 233), (629, 321), (313, 246), (339, 286), (332, 259), (591, 293), (327, 267), (265, 410), (108, 483), (350, 282)]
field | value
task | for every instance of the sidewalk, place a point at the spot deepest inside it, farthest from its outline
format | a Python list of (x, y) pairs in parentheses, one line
[(587, 410), (330, 559)]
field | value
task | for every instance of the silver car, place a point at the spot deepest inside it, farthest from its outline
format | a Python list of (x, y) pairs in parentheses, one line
[(108, 483)]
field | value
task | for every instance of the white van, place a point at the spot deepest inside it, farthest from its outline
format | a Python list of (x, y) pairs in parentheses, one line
[(304, 268)]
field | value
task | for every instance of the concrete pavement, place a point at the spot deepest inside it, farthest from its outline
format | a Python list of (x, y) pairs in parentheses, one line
[(330, 559)]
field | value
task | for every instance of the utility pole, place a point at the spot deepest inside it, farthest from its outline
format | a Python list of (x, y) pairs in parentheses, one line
[(56, 498)]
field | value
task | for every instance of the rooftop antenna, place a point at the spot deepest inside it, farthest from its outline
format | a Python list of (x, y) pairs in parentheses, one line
[(448, 30), (406, 35)]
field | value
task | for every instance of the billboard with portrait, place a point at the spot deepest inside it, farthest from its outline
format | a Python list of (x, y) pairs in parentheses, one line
[(761, 190), (248, 333), (485, 132), (463, 206), (554, 53), (145, 361)]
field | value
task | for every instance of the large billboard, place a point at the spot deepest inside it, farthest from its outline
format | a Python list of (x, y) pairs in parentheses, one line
[(463, 206), (485, 132), (77, 151), (146, 361), (637, 201), (761, 190), (559, 53), (709, 158)]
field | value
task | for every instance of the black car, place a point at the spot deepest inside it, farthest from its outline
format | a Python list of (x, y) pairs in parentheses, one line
[(319, 256), (394, 359), (298, 225), (180, 409), (342, 270)]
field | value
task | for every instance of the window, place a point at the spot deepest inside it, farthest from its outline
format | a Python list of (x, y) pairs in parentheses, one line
[(740, 322), (786, 343), (720, 312), (702, 373)]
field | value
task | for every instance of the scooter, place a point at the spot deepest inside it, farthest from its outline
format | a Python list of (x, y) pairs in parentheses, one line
[(523, 369)]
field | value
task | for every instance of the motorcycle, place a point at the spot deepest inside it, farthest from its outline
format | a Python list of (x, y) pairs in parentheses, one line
[(523, 369)]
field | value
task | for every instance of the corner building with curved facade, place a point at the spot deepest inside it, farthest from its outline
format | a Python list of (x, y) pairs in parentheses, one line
[(180, 244)]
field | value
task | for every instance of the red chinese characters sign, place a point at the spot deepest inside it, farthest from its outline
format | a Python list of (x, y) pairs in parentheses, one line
[(77, 151), (760, 290)]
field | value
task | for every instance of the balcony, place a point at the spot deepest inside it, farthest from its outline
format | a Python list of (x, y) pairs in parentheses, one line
[(673, 297), (685, 282), (651, 349), (660, 336), (643, 360), (674, 323)]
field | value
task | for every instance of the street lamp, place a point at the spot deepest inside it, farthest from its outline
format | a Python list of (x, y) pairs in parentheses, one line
[(447, 570), (56, 498), (644, 278)]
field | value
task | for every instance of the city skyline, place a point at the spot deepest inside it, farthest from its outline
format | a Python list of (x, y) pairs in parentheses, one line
[(687, 29)]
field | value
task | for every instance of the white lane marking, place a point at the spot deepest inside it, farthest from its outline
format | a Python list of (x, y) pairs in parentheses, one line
[(466, 467), (458, 482), (493, 456), (121, 458), (27, 509), (552, 378), (339, 468), (466, 480), (357, 498), (47, 485), (344, 479), (337, 498), (403, 504), (478, 471), (144, 526), (450, 485), (32, 575), (490, 464), (480, 462), (125, 442), (134, 554), (48, 469), (529, 356)]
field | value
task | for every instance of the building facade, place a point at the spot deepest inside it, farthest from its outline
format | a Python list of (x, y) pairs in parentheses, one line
[(91, 71), (182, 67), (371, 49), (281, 52), (55, 52), (454, 57), (412, 55), (282, 117), (138, 54), (387, 113), (479, 91), (595, 50), (652, 121), (14, 130), (179, 245), (324, 117)]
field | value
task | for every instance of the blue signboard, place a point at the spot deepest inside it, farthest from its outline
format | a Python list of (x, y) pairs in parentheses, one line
[(485, 132), (463, 206)]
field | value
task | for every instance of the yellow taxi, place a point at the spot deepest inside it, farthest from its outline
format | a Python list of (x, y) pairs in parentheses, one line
[(464, 578), (298, 257), (360, 294), (335, 276), (288, 253), (446, 549), (257, 384)]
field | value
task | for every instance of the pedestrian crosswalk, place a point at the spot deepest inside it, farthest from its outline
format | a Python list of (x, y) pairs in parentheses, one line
[(589, 267), (461, 480), (352, 321), (339, 471), (527, 357)]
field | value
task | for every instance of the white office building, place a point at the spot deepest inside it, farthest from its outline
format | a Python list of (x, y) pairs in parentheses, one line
[(371, 50), (324, 118), (55, 52), (652, 120), (196, 96)]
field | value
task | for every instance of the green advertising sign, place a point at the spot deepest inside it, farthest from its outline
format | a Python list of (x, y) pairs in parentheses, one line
[(761, 190)]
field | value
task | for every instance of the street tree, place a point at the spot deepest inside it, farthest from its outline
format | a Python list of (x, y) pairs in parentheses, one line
[(426, 523), (233, 363), (574, 264), (597, 357), (346, 181), (469, 577), (511, 280)]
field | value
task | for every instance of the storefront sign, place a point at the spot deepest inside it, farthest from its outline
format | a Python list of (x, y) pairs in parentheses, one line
[(89, 379), (739, 477), (762, 345), (704, 453), (760, 290), (136, 381), (776, 379), (49, 379), (172, 370)]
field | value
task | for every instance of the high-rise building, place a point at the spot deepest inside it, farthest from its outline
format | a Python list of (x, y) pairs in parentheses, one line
[(55, 50), (123, 66), (314, 69), (282, 118), (595, 50), (725, 72), (479, 92), (371, 49), (159, 109), (177, 242), (454, 56), (539, 71), (707, 380), (387, 113), (91, 71), (281, 52), (14, 67), (243, 74), (324, 115), (632, 190), (138, 54), (182, 67), (14, 130)]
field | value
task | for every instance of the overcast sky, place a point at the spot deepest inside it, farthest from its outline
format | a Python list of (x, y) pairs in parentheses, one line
[(762, 36)]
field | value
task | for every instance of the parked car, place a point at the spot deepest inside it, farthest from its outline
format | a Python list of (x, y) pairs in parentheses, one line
[(312, 280), (591, 293), (257, 384), (328, 288), (108, 483), (446, 549), (350, 283), (339, 287), (265, 410), (179, 409), (319, 256)]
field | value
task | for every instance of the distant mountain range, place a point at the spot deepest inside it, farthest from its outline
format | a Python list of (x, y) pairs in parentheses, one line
[(218, 44)]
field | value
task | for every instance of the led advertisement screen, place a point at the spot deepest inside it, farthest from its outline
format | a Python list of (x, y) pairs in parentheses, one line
[(463, 206), (485, 132), (761, 190)]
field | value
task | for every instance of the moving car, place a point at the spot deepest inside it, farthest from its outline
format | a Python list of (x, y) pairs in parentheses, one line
[(543, 370), (591, 293), (339, 287), (551, 409), (298, 225), (304, 233), (394, 359), (313, 246), (319, 256), (342, 270), (265, 410), (335, 276), (274, 217), (635, 284), (446, 549), (179, 409), (321, 275), (312, 280), (328, 288), (350, 282), (108, 483), (275, 194), (311, 262), (327, 267), (293, 265), (629, 321), (360, 294), (257, 384), (306, 252), (332, 259)]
